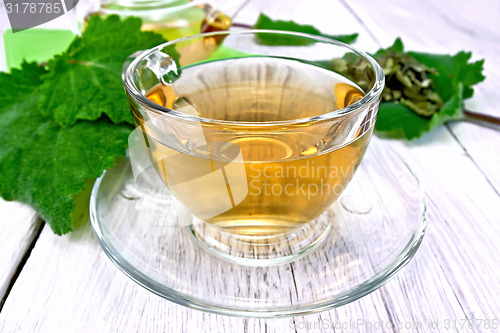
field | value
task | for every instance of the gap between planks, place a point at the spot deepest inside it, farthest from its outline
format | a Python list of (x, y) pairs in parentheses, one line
[(24, 259)]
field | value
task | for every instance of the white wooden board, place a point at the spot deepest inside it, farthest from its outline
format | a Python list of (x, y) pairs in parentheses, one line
[(68, 284)]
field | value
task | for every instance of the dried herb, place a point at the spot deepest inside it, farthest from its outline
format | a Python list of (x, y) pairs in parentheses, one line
[(422, 90), (407, 80)]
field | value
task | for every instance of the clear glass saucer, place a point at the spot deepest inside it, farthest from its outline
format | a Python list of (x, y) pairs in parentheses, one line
[(376, 227)]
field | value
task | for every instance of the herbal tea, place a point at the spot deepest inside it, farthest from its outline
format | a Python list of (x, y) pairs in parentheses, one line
[(275, 179), (173, 20)]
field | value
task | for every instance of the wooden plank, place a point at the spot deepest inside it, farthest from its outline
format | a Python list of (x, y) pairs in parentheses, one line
[(19, 226), (69, 285), (72, 277), (437, 27), (460, 245), (448, 201), (330, 17), (454, 274)]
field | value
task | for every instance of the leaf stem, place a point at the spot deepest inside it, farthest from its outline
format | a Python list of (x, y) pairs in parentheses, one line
[(482, 117), (241, 25)]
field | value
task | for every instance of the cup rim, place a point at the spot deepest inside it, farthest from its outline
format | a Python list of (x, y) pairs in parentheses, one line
[(374, 93)]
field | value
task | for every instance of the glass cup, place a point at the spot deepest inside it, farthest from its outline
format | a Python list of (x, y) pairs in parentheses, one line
[(255, 133)]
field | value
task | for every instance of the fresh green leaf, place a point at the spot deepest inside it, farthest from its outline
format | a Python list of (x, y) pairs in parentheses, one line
[(224, 52), (452, 109), (451, 70), (13, 85), (57, 124), (43, 164), (85, 81), (397, 46), (452, 79), (400, 121), (265, 22)]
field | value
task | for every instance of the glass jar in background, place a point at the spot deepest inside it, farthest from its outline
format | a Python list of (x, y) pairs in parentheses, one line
[(172, 18)]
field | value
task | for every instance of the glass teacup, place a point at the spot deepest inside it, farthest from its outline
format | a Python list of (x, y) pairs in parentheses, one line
[(255, 134)]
